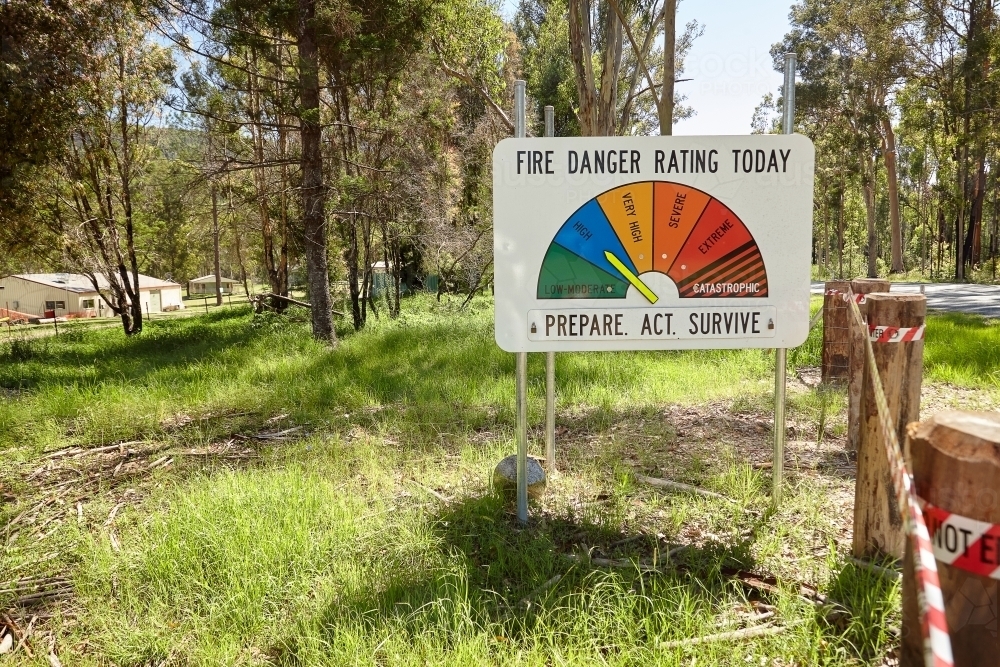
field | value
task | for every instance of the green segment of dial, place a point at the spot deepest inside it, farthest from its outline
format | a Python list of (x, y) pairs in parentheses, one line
[(566, 275)]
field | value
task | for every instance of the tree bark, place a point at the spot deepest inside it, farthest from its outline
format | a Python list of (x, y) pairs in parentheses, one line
[(666, 110), (858, 355), (896, 232), (313, 195), (580, 50), (869, 196), (609, 77), (215, 241), (973, 238), (878, 520), (836, 329)]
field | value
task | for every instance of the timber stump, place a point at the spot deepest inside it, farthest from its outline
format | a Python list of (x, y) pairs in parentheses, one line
[(955, 461)]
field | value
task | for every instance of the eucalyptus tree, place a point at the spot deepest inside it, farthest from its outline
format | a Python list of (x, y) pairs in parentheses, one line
[(45, 45), (612, 78), (110, 146), (853, 56), (955, 44)]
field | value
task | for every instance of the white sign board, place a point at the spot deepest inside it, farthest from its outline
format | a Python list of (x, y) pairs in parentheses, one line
[(652, 243)]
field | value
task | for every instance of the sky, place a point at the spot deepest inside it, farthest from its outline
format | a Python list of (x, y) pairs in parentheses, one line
[(730, 63)]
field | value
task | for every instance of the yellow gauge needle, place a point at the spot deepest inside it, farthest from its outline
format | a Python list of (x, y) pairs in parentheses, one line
[(632, 278)]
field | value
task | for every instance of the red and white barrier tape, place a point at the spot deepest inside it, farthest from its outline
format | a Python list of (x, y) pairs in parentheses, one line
[(880, 334), (858, 298), (937, 642), (965, 543)]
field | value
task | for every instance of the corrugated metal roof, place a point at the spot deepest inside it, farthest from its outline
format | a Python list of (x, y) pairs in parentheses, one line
[(211, 279), (80, 284)]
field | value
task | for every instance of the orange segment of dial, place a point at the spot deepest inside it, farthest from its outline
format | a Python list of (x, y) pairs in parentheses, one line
[(630, 210), (676, 211)]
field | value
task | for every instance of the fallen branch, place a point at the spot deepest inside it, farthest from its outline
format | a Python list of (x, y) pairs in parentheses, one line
[(15, 631), (442, 498), (19, 586), (271, 295), (526, 600), (114, 513), (278, 435), (678, 486), (745, 633), (611, 562), (24, 638), (42, 595), (877, 569)]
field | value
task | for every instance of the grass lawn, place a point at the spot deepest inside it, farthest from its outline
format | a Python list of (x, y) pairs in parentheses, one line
[(222, 490)]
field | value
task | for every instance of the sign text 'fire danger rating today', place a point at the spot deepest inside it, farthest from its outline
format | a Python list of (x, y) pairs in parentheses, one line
[(637, 248)]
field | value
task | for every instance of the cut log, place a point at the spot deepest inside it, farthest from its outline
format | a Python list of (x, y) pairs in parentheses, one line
[(836, 345), (878, 521), (955, 461), (856, 362)]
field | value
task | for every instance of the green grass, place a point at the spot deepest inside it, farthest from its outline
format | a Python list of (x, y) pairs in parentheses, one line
[(429, 365), (324, 551), (963, 350)]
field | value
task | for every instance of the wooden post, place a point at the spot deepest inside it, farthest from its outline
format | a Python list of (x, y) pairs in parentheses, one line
[(856, 364), (836, 345), (878, 523), (955, 461)]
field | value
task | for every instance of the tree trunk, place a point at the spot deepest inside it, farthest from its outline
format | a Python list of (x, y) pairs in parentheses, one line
[(313, 196), (215, 240), (666, 110), (125, 173), (609, 77), (973, 239), (869, 195), (583, 65), (351, 255), (889, 154), (840, 229), (963, 182)]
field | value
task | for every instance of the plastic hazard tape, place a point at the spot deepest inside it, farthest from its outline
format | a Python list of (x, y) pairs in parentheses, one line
[(930, 600), (880, 334), (965, 543), (858, 298)]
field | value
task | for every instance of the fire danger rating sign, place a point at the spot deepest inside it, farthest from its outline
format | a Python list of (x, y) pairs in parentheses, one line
[(626, 243)]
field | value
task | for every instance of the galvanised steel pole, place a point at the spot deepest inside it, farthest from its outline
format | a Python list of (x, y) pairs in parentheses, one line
[(780, 358), (550, 357), (521, 381)]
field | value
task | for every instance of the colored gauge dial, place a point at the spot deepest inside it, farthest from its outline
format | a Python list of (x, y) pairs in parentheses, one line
[(607, 245)]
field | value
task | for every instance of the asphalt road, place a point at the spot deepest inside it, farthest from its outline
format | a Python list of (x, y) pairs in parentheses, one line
[(978, 299)]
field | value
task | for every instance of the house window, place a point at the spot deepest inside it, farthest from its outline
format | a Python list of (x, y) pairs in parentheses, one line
[(60, 305), (50, 305), (87, 303)]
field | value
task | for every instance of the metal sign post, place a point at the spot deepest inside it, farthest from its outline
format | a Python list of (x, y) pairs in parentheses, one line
[(550, 357), (780, 357), (522, 359)]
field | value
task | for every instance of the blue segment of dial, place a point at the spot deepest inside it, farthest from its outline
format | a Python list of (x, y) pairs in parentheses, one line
[(588, 233)]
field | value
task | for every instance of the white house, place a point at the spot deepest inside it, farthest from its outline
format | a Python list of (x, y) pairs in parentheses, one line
[(206, 285), (73, 295)]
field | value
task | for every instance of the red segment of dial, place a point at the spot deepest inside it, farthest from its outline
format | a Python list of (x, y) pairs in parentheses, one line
[(719, 253)]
